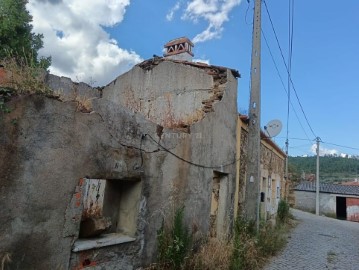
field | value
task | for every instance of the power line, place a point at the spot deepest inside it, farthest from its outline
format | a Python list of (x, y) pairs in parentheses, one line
[(299, 139), (281, 79), (295, 91), (343, 146), (188, 161), (328, 143), (290, 45)]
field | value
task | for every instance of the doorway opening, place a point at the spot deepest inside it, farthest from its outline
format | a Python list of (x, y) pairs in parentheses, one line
[(218, 205), (341, 208)]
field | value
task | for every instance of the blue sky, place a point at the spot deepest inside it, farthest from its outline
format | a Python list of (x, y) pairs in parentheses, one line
[(98, 40)]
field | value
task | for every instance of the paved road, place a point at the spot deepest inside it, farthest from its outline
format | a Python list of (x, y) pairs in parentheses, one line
[(320, 243)]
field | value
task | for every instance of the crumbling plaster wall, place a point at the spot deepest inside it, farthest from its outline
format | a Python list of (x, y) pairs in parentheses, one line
[(47, 146), (210, 142), (42, 157), (168, 93)]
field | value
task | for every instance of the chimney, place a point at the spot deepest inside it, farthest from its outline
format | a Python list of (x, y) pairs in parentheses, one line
[(179, 49)]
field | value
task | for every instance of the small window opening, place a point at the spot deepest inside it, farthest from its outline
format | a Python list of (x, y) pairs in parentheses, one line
[(110, 212)]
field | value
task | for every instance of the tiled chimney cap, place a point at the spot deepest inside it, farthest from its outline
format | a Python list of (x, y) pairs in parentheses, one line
[(179, 40), (179, 46)]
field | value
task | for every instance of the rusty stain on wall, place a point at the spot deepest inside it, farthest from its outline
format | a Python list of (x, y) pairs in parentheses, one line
[(93, 198), (353, 209)]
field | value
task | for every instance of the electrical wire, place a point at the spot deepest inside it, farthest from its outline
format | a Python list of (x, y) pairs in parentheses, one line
[(343, 146), (290, 45), (245, 17), (299, 139), (281, 51), (284, 87), (187, 161)]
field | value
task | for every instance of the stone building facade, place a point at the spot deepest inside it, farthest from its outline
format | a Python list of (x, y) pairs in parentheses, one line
[(114, 163), (273, 185)]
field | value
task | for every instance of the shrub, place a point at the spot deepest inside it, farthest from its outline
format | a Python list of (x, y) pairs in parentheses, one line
[(283, 211)]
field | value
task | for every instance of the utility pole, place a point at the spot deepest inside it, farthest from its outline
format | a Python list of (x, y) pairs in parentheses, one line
[(252, 199), (317, 182)]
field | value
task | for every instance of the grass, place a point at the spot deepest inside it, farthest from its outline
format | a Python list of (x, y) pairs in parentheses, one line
[(214, 254), (174, 243), (251, 248), (23, 77), (246, 249)]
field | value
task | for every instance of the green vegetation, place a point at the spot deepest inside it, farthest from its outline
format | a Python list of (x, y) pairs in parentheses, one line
[(283, 211), (332, 168), (17, 41), (246, 249), (19, 53), (174, 243), (251, 249)]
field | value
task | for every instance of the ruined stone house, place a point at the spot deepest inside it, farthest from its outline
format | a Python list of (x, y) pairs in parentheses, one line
[(273, 185), (87, 181)]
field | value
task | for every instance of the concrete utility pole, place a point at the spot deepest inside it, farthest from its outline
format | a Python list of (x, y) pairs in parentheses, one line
[(252, 198), (317, 182)]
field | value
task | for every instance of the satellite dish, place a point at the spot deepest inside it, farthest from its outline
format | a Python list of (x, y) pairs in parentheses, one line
[(273, 128)]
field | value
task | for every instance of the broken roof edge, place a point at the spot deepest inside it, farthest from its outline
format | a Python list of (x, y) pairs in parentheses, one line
[(149, 63), (264, 137)]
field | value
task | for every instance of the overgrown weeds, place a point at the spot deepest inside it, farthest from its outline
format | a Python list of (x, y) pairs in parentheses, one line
[(174, 243), (283, 213), (24, 77), (246, 253), (251, 248), (247, 249), (214, 254)]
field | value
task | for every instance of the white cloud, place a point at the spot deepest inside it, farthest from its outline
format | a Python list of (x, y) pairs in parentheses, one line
[(73, 35), (215, 12), (172, 11), (324, 151)]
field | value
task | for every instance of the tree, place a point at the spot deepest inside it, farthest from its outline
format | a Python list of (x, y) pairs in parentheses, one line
[(16, 38)]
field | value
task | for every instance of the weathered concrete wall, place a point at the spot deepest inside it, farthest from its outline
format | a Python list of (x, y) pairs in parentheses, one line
[(69, 90), (209, 143), (169, 94), (305, 200), (43, 155), (48, 147)]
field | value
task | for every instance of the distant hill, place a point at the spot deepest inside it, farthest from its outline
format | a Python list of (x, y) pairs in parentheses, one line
[(331, 169)]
